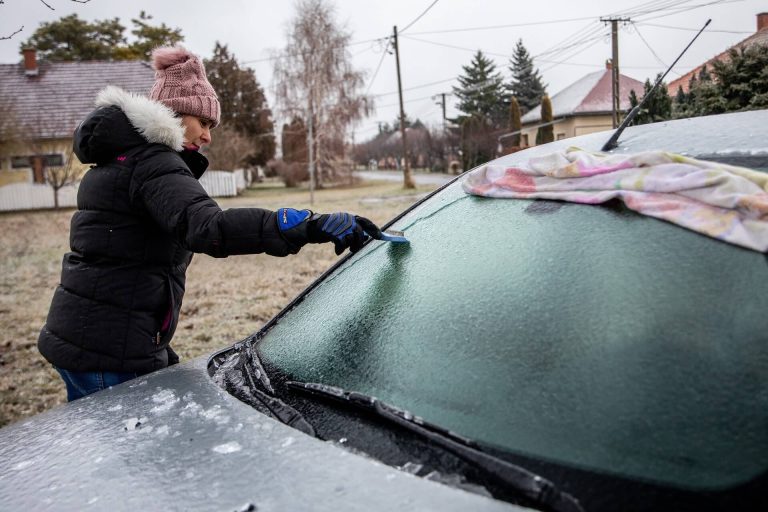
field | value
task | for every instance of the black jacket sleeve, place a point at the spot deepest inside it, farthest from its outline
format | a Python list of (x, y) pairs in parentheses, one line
[(181, 207)]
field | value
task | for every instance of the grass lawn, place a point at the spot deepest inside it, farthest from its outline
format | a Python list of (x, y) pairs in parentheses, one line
[(226, 299)]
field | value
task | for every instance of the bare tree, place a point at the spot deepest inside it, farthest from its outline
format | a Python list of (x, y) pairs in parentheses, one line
[(41, 139), (314, 79), (59, 176), (229, 149)]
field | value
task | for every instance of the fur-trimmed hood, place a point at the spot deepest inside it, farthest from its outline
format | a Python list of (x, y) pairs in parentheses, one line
[(153, 120), (124, 120)]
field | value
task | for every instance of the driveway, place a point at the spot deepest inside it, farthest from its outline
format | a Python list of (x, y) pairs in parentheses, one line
[(421, 178)]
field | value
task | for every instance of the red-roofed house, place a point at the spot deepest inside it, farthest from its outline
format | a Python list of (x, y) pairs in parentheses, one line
[(583, 107), (759, 37), (48, 99)]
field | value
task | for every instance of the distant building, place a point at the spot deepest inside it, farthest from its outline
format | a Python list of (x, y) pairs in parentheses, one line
[(47, 100), (759, 37), (583, 107)]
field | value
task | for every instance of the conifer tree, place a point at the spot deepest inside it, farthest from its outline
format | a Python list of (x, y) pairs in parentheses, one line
[(293, 142), (736, 84), (657, 108), (481, 92), (71, 38), (243, 104), (515, 123), (545, 133), (526, 84)]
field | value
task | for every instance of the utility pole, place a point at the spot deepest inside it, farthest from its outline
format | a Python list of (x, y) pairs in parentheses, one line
[(442, 103), (407, 177), (615, 66)]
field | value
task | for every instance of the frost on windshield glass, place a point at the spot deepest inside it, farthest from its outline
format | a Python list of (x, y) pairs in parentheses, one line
[(583, 334)]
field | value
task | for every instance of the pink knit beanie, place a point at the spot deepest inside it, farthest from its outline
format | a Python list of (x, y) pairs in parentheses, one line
[(181, 84)]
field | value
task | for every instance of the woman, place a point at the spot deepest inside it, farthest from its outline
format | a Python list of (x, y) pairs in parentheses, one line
[(141, 215)]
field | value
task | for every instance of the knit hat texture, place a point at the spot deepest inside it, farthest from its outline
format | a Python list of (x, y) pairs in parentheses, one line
[(181, 84)]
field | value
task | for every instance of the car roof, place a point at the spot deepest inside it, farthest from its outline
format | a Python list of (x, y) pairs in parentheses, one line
[(174, 440), (740, 134)]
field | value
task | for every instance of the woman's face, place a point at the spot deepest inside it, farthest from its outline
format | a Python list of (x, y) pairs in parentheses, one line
[(197, 132)]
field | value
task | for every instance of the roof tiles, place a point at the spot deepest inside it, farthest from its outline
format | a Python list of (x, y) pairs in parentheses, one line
[(591, 94), (54, 101)]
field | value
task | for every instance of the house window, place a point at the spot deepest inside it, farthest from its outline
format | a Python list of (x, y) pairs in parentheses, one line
[(49, 160), (560, 136), (19, 162), (53, 160)]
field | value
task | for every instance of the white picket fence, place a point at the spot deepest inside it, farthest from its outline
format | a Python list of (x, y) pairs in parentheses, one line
[(219, 183), (34, 196)]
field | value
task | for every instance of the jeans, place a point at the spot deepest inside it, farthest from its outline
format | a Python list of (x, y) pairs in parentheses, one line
[(80, 384)]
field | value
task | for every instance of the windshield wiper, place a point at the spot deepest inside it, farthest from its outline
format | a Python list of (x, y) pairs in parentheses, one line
[(538, 490)]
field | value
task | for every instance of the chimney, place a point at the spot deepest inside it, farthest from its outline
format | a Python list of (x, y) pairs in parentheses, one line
[(762, 21), (30, 61), (608, 64)]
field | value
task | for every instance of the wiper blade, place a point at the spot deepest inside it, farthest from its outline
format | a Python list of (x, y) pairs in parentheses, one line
[(540, 491), (241, 374)]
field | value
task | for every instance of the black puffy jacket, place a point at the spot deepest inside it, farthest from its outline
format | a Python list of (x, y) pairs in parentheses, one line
[(141, 214)]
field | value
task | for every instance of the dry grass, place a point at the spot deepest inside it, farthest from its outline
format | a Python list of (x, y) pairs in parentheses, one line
[(226, 298)]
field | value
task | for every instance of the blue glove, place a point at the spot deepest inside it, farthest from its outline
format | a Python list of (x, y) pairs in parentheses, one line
[(343, 229)]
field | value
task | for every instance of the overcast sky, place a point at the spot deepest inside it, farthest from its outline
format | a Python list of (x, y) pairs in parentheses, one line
[(565, 35)]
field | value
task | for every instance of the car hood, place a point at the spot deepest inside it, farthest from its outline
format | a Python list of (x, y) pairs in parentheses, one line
[(173, 440)]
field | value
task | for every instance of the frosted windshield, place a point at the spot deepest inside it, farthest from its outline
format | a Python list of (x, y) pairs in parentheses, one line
[(587, 335)]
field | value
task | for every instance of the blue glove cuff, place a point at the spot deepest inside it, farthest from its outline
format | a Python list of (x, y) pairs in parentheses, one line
[(288, 218)]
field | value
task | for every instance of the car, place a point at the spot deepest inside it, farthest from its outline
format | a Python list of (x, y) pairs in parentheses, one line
[(516, 354)]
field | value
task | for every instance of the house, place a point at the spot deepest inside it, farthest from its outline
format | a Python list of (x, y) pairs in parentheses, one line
[(583, 107), (759, 37), (43, 103)]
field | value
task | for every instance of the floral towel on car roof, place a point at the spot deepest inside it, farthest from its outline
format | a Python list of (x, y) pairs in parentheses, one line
[(718, 200)]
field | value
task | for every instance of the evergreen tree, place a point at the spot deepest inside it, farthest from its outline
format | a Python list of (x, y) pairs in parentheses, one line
[(743, 79), (515, 124), (736, 84), (293, 142), (657, 108), (243, 104), (704, 75), (526, 84), (149, 37), (546, 133), (73, 39), (481, 92), (680, 97)]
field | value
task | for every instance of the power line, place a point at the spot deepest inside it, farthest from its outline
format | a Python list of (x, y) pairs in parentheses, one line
[(652, 7), (420, 86), (689, 29), (406, 101), (649, 46), (419, 17), (473, 50), (690, 8), (378, 67), (494, 27), (572, 54)]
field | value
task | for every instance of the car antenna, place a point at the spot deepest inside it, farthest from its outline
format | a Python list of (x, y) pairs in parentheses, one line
[(613, 141)]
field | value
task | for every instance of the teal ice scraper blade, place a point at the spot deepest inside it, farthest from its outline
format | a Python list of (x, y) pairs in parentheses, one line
[(390, 235)]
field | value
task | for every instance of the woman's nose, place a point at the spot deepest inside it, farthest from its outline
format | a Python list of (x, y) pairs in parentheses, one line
[(206, 136)]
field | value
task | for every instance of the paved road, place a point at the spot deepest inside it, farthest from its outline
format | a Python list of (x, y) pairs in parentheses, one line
[(421, 178)]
